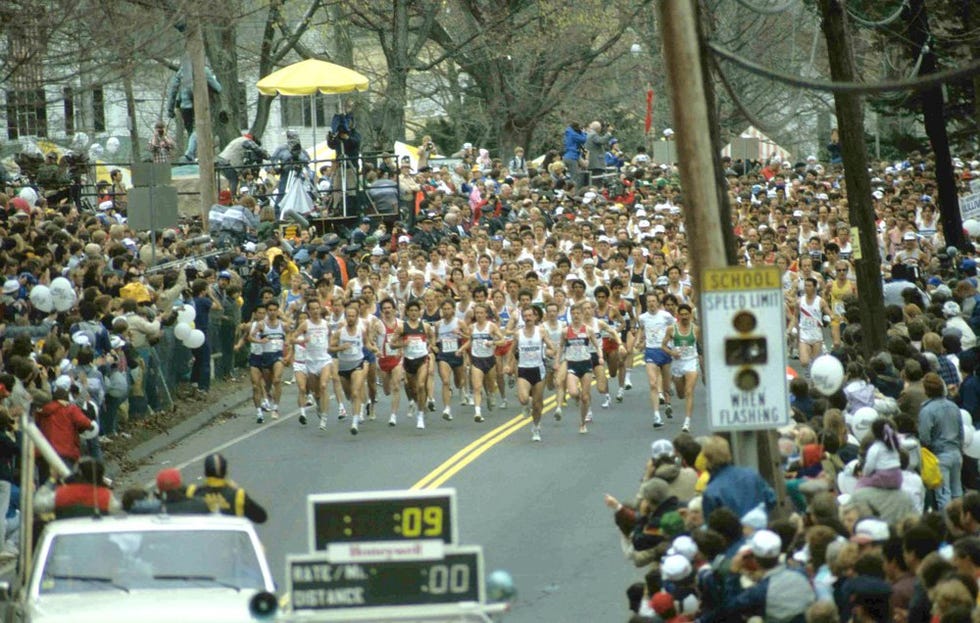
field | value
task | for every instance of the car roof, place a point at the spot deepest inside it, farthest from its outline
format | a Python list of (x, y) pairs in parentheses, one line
[(144, 523)]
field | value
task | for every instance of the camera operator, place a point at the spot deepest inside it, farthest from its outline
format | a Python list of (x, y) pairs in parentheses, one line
[(237, 154), (345, 140), (288, 159), (161, 145), (597, 142)]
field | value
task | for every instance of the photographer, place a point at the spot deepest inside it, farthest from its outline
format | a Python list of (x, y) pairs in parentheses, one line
[(426, 151), (237, 154), (161, 145), (597, 142)]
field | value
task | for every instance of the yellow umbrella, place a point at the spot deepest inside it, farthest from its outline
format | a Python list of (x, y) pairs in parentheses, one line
[(311, 76)]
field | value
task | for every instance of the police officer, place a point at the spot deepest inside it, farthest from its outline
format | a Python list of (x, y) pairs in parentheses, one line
[(222, 495)]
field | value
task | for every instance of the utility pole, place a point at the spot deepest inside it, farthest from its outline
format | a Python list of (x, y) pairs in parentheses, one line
[(202, 115), (933, 110), (707, 223), (850, 124)]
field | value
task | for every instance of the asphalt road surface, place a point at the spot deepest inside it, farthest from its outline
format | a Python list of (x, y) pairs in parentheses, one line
[(536, 508)]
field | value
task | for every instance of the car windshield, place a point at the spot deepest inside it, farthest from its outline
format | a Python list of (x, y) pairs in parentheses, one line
[(157, 559)]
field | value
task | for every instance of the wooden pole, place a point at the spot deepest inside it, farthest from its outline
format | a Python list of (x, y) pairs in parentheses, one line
[(707, 224), (202, 116)]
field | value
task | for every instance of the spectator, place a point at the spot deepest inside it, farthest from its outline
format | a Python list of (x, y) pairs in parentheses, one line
[(739, 488)]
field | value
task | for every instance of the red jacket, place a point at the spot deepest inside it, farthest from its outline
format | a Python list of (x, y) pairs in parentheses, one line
[(61, 422), (79, 499)]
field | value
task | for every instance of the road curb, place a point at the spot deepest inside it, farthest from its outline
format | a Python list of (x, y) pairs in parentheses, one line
[(189, 426)]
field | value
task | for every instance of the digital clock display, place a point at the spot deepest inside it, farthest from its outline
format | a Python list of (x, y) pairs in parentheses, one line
[(316, 584), (383, 516)]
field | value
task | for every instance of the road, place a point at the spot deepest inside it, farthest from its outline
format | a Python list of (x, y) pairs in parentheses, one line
[(536, 508)]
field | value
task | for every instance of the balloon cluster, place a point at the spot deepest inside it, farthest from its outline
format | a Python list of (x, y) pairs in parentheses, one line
[(184, 329)]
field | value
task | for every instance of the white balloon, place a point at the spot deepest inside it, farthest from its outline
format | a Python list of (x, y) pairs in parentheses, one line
[(968, 430), (972, 227), (973, 450), (29, 195), (41, 298), (194, 339), (112, 145), (827, 374), (80, 141), (182, 330), (60, 284), (187, 314), (63, 299)]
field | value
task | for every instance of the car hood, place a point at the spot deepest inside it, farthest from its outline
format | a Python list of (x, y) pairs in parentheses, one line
[(209, 605)]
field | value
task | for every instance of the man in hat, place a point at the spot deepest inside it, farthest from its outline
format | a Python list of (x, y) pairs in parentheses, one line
[(361, 232), (423, 235), (222, 495)]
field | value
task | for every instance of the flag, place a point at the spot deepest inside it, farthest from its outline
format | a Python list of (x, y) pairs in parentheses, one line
[(648, 122)]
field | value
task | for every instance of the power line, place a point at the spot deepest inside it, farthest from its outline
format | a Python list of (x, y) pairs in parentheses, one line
[(869, 23), (862, 88), (767, 10)]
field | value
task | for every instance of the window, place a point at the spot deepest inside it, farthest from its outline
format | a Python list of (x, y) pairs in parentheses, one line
[(69, 100), (27, 113), (98, 109), (298, 111)]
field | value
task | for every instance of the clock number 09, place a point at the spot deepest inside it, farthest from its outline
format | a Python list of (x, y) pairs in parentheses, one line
[(424, 521), (454, 579)]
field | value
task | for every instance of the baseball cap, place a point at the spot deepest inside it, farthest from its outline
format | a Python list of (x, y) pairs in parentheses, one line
[(224, 275), (861, 421), (757, 519), (588, 262), (366, 220), (116, 342), (644, 224), (168, 479), (81, 339), (661, 448), (215, 466), (662, 603), (63, 382), (675, 567), (404, 239), (765, 544), (871, 530), (11, 286), (909, 235), (684, 546), (377, 251), (951, 308)]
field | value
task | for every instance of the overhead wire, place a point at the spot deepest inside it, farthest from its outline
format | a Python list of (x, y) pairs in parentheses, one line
[(863, 88), (870, 23), (767, 10)]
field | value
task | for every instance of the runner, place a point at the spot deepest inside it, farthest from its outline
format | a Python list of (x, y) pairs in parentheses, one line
[(814, 312), (314, 334), (369, 312), (335, 320), (414, 336), (653, 324), (627, 331), (256, 362), (838, 292), (296, 358), (271, 333), (555, 374), (485, 336), (575, 343), (390, 358), (612, 342), (682, 341), (349, 342), (532, 341), (431, 315), (600, 329), (451, 335)]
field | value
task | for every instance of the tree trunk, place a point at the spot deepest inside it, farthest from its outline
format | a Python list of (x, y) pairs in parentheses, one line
[(513, 133), (396, 86), (933, 109), (220, 43), (134, 137), (850, 120), (262, 110)]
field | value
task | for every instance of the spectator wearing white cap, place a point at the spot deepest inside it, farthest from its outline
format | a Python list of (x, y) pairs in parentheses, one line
[(955, 320)]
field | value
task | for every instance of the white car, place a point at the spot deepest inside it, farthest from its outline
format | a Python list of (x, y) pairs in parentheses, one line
[(145, 569)]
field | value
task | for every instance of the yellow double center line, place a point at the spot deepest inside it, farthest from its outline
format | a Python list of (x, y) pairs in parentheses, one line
[(452, 466)]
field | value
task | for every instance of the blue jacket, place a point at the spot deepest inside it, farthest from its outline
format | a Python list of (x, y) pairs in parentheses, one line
[(739, 488), (573, 143), (782, 595)]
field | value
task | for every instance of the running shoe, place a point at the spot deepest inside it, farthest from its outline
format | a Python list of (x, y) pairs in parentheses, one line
[(478, 418), (420, 422), (686, 428), (413, 409), (511, 382), (619, 395), (259, 419), (353, 426), (341, 412), (265, 405), (465, 400), (275, 412), (309, 399), (535, 434), (558, 414), (489, 402), (588, 417), (370, 410), (447, 415), (302, 419), (669, 410), (606, 402), (628, 384), (430, 404), (660, 397), (323, 422), (583, 429), (392, 420), (503, 403), (657, 421)]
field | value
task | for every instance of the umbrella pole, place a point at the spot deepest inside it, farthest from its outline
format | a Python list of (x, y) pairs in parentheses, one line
[(343, 164), (314, 108)]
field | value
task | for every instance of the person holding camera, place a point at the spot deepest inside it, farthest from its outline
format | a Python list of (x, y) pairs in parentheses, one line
[(574, 144), (161, 145), (427, 150), (597, 142)]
